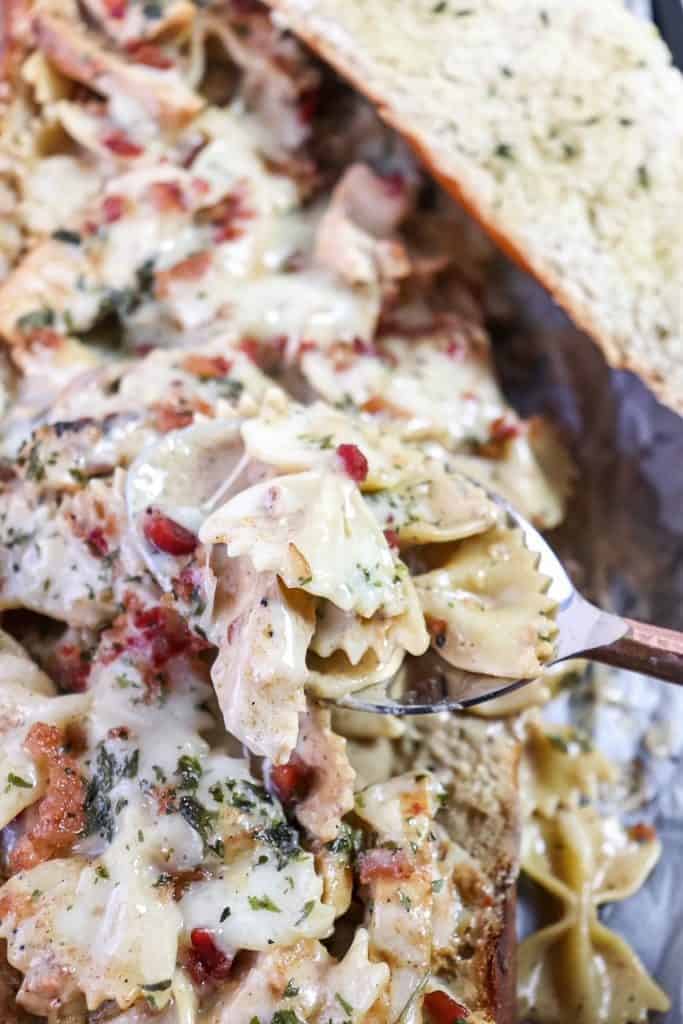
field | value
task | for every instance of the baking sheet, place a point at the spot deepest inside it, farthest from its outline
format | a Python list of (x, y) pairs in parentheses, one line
[(623, 543)]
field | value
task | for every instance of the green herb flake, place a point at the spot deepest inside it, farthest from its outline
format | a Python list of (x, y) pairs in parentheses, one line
[(345, 1005), (308, 907), (16, 780), (291, 989), (263, 903), (643, 176), (69, 237), (36, 320), (504, 151), (101, 871), (225, 914), (285, 1017), (158, 986), (190, 771), (437, 885)]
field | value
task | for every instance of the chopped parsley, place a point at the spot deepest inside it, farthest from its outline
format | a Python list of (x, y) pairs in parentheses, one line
[(345, 1005), (308, 907), (158, 986), (69, 237), (190, 771), (285, 1017), (225, 914), (36, 320), (291, 989), (263, 903), (16, 780)]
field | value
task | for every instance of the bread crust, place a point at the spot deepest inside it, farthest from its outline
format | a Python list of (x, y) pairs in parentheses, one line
[(621, 354)]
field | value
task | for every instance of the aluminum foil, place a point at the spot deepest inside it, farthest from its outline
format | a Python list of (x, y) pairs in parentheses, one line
[(623, 544)]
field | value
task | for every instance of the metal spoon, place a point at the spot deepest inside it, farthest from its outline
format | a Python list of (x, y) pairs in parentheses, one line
[(428, 684)]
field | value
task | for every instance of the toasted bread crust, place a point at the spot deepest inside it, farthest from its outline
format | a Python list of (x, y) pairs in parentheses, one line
[(638, 323)]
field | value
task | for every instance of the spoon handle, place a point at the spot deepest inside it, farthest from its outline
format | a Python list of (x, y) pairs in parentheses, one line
[(651, 650)]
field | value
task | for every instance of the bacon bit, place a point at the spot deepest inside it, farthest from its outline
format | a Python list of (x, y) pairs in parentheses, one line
[(364, 348), (46, 338), (228, 216), (184, 879), (118, 732), (354, 462), (166, 196), (113, 208), (291, 782), (71, 668), (60, 814), (165, 798), (384, 864), (392, 538), (161, 634), (394, 184), (190, 269), (307, 105), (149, 54), (167, 417), (437, 629), (187, 586), (206, 962), (97, 542), (121, 145), (455, 349), (211, 367), (642, 833), (200, 185), (444, 1009), (308, 346), (264, 353), (116, 8), (503, 429), (167, 535)]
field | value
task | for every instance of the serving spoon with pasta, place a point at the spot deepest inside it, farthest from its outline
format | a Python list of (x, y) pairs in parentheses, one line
[(428, 684)]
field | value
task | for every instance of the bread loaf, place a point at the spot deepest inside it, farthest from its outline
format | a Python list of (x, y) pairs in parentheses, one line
[(559, 125)]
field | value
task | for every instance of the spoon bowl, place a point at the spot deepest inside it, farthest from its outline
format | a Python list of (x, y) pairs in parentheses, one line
[(428, 684)]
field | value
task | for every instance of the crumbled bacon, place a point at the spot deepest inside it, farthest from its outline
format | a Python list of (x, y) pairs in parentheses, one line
[(112, 208), (149, 54), (392, 538), (168, 417), (187, 586), (354, 462), (393, 183), (266, 352), (45, 337), (60, 814), (119, 143), (160, 634), (167, 535), (382, 863), (642, 832), (192, 268), (97, 542), (228, 217), (116, 8), (307, 105), (167, 196), (71, 667), (503, 429), (437, 629), (291, 782), (444, 1009), (211, 367), (205, 961)]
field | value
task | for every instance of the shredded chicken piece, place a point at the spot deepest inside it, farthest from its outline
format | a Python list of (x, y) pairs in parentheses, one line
[(80, 56), (330, 796)]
